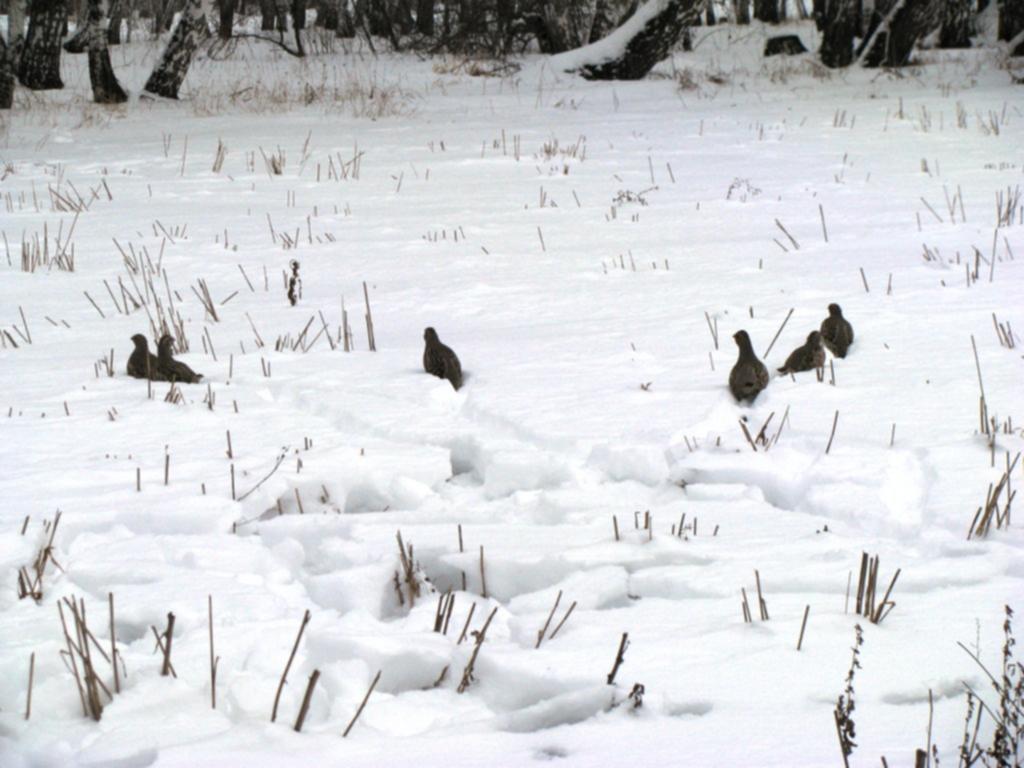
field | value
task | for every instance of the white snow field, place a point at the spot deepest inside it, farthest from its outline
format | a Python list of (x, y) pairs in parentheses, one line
[(572, 242)]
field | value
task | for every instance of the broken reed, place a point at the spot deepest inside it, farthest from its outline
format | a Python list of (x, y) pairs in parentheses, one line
[(80, 644), (867, 590), (291, 657), (362, 705), (408, 574), (31, 584), (762, 605), (543, 630), (443, 614), (480, 635), (989, 513), (620, 657)]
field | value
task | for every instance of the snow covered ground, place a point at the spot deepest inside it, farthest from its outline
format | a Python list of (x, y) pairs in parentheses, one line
[(566, 239)]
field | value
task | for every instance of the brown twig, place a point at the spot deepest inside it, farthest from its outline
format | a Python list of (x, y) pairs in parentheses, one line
[(619, 658), (481, 634), (284, 675), (362, 704), (306, 699)]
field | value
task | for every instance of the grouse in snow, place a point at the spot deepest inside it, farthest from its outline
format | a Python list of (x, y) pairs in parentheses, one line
[(142, 364), (836, 331), (806, 358), (174, 370), (749, 376), (440, 360)]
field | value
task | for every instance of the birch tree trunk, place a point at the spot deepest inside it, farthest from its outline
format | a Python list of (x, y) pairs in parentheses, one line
[(117, 14), (226, 12), (632, 50), (6, 75), (346, 24), (169, 73), (838, 25), (956, 25), (767, 11), (899, 24), (267, 15), (105, 88), (1011, 23), (425, 17), (15, 24), (39, 67)]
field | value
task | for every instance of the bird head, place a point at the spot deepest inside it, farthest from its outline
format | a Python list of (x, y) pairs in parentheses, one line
[(835, 310)]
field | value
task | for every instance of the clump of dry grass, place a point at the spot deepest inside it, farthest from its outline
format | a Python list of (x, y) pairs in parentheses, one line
[(475, 67), (336, 87)]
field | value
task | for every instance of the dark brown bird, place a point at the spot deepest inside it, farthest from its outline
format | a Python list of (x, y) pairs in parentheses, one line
[(807, 357), (174, 370), (142, 364), (440, 360), (749, 376), (836, 331)]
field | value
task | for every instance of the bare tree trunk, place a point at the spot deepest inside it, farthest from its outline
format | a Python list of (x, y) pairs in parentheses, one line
[(327, 15), (402, 17), (105, 88), (767, 11), (170, 71), (900, 24), (956, 25), (425, 17), (6, 76), (652, 32), (1011, 23), (742, 8), (15, 24), (838, 23), (709, 14), (818, 12), (470, 18), (568, 24), (281, 19), (226, 11), (299, 14), (117, 8), (346, 25), (268, 12), (39, 68)]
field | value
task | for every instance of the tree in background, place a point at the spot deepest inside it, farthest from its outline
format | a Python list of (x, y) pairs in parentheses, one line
[(895, 29), (169, 72), (105, 88), (39, 63), (649, 36), (6, 75), (838, 24), (956, 25), (767, 10), (226, 11), (1011, 24), (117, 9)]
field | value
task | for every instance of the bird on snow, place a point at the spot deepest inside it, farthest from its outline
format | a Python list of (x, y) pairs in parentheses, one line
[(749, 376), (440, 360), (142, 364), (807, 357), (174, 370), (836, 331)]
